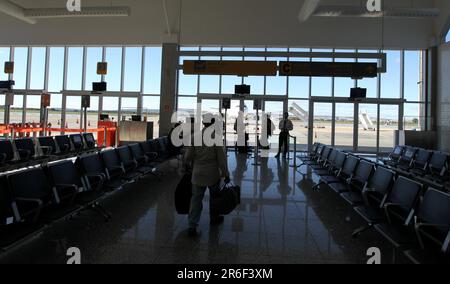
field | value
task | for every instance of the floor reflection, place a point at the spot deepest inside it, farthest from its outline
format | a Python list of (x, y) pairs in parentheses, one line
[(280, 220)]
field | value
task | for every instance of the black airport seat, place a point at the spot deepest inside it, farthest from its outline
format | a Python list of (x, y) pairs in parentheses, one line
[(394, 156), (420, 164), (64, 175), (343, 175), (25, 148), (77, 142), (143, 162), (7, 154), (432, 227), (407, 159), (357, 183), (91, 167), (36, 199), (90, 141), (320, 162), (310, 155), (149, 151), (398, 212), (129, 162), (114, 167), (12, 231), (63, 142), (48, 145), (334, 166), (374, 196), (437, 166)]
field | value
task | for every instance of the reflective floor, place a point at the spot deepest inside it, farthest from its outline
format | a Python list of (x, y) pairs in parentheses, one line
[(281, 220)]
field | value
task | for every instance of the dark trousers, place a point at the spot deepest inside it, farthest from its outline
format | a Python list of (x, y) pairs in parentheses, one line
[(283, 141)]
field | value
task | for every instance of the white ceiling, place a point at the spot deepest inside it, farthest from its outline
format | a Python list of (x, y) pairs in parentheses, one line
[(227, 22)]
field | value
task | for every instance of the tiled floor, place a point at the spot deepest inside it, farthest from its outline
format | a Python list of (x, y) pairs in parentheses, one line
[(280, 220)]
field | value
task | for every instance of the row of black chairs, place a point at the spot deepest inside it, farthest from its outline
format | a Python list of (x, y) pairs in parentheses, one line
[(413, 217), (35, 198), (23, 152), (431, 167)]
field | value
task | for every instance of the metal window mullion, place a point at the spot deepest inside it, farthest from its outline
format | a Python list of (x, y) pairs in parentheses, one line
[(64, 99), (402, 90), (122, 83), (83, 83), (140, 101), (47, 67), (27, 84), (100, 97), (333, 110)]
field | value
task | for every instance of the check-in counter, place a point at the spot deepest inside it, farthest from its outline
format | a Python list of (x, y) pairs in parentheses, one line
[(134, 132)]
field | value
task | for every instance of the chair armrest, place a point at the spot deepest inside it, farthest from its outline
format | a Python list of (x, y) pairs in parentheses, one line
[(386, 208), (24, 153), (2, 157), (101, 176), (152, 155), (74, 186), (446, 244), (46, 149), (30, 200)]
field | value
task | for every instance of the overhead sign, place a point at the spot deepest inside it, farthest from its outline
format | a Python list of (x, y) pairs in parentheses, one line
[(102, 68), (9, 67), (238, 68), (329, 69), (45, 100)]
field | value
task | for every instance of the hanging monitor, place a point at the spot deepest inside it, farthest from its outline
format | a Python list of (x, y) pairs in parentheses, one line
[(99, 86), (226, 103), (242, 89), (6, 85), (358, 93)]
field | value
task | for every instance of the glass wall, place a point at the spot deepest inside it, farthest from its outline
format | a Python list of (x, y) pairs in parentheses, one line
[(298, 90), (74, 68)]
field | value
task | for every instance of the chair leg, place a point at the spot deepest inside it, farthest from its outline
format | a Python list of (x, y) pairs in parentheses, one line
[(316, 187)]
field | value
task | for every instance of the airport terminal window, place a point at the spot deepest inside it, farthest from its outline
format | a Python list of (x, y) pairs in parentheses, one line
[(256, 82), (228, 82), (4, 57), (371, 84), (33, 109), (16, 110), (276, 85), (54, 111), (150, 111), (132, 69), (73, 112), (367, 133), (209, 84), (298, 86), (390, 81), (129, 108), (342, 86), (2, 108), (93, 56), (56, 69), (37, 74), (111, 107), (298, 110), (321, 86), (185, 107), (413, 76), (152, 72), (447, 38), (74, 68), (388, 126), (92, 115), (20, 67), (414, 117), (114, 58)]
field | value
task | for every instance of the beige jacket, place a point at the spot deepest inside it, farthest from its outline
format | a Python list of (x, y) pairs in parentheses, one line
[(209, 164)]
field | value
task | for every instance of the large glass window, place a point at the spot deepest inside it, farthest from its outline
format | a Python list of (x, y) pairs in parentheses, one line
[(4, 57), (447, 38), (132, 69), (20, 67), (73, 112), (344, 125), (342, 86), (276, 85), (414, 116), (74, 68), (111, 107), (321, 86), (368, 83), (388, 126), (151, 112), (256, 82), (413, 76), (56, 69), (390, 81), (33, 109), (299, 114), (17, 109), (93, 56), (37, 74), (113, 78), (152, 74), (54, 111), (367, 132), (209, 84), (322, 123)]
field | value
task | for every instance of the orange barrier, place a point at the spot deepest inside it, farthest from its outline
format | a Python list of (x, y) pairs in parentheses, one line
[(8, 129)]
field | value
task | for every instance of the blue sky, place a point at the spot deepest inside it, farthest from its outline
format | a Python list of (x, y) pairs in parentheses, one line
[(298, 87)]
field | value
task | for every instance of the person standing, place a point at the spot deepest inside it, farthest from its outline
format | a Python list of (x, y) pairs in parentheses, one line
[(285, 126), (209, 165)]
